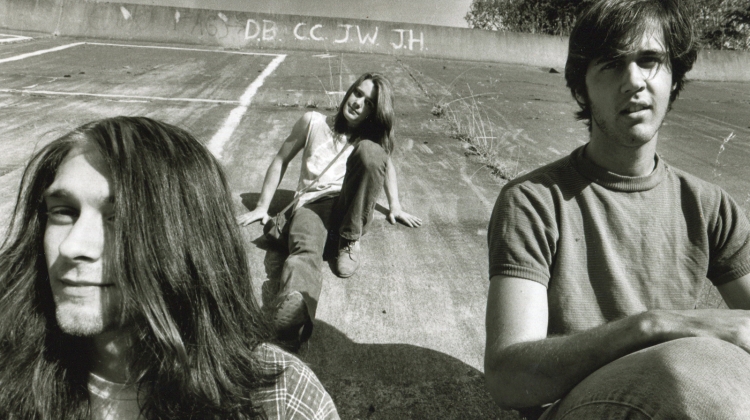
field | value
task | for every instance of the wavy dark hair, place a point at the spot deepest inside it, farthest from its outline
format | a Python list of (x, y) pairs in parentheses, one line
[(180, 264), (378, 126), (611, 28)]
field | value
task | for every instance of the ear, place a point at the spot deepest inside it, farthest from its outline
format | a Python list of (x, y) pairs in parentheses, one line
[(581, 99)]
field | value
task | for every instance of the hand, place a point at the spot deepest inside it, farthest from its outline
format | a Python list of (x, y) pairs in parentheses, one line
[(403, 217), (730, 325), (253, 216)]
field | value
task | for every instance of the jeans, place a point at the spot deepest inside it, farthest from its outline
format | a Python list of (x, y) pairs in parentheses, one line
[(689, 378), (348, 214)]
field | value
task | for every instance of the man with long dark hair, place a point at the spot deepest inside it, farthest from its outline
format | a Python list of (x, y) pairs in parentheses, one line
[(346, 162), (598, 260), (125, 291)]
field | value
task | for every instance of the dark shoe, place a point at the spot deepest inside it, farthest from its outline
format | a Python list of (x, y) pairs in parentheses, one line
[(292, 321), (347, 261)]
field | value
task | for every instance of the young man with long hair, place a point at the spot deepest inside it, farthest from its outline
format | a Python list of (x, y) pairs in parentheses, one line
[(125, 291), (598, 260), (358, 140)]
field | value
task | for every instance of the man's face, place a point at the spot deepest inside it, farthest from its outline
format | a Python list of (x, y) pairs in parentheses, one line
[(629, 95), (80, 209), (360, 103)]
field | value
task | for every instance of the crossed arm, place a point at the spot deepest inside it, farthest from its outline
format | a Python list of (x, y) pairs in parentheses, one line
[(525, 368)]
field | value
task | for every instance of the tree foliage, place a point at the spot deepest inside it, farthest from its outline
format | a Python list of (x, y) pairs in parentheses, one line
[(720, 24), (724, 24)]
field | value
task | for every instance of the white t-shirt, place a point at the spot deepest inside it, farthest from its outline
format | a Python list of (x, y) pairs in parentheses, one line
[(321, 147), (111, 400)]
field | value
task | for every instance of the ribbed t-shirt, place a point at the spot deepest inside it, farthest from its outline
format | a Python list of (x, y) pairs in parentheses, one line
[(607, 246)]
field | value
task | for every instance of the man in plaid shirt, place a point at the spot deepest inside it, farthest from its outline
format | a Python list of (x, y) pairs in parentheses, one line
[(125, 291)]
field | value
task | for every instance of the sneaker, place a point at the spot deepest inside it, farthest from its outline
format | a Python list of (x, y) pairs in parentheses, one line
[(292, 320), (347, 261)]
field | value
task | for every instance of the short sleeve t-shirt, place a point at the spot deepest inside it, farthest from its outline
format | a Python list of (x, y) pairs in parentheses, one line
[(608, 246)]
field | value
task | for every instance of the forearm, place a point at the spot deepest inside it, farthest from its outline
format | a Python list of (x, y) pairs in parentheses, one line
[(534, 373), (274, 175), (391, 186)]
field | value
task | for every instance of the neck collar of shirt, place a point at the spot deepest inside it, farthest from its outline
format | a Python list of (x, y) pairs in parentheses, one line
[(111, 390), (616, 182)]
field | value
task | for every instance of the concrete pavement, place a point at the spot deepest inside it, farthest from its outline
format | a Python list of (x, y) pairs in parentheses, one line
[(404, 337)]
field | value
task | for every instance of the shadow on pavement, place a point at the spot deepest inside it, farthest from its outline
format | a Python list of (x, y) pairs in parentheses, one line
[(397, 381), (381, 381), (279, 201)]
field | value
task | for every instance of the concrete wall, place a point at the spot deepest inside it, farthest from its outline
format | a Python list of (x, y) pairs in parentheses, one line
[(246, 30)]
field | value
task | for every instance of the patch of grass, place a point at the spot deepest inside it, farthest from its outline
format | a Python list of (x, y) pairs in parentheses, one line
[(483, 140), (717, 169), (333, 96), (722, 148)]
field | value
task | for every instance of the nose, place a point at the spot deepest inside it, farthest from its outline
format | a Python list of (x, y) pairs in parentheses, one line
[(357, 103), (634, 78), (85, 239)]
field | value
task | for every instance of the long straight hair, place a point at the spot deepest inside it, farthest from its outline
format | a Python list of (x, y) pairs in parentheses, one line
[(378, 126), (180, 264)]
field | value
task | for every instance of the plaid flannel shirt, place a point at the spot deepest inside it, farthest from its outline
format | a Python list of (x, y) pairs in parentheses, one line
[(297, 393)]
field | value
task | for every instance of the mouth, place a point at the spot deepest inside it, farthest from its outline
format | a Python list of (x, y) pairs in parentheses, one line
[(635, 107), (83, 283), (352, 110)]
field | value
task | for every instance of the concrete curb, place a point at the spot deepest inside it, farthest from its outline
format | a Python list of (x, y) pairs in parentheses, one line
[(246, 30)]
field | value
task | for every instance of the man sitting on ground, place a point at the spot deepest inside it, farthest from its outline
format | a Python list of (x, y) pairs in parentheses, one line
[(598, 260)]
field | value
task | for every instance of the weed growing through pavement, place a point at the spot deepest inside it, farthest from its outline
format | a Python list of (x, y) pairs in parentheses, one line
[(332, 95), (470, 124), (722, 147), (717, 167)]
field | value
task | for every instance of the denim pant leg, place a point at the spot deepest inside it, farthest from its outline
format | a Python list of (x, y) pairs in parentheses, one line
[(689, 378), (308, 232), (365, 174)]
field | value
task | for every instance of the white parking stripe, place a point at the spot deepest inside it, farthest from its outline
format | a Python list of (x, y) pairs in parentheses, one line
[(219, 140), (40, 52), (109, 95), (13, 38)]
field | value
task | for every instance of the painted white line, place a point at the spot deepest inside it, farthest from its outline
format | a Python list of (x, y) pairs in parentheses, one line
[(76, 44), (109, 95), (107, 44), (217, 142), (14, 38), (40, 52)]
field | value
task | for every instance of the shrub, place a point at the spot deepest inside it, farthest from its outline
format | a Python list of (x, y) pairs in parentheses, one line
[(720, 24)]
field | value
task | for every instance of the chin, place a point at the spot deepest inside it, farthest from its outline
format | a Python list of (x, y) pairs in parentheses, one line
[(349, 118), (82, 322), (640, 137)]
